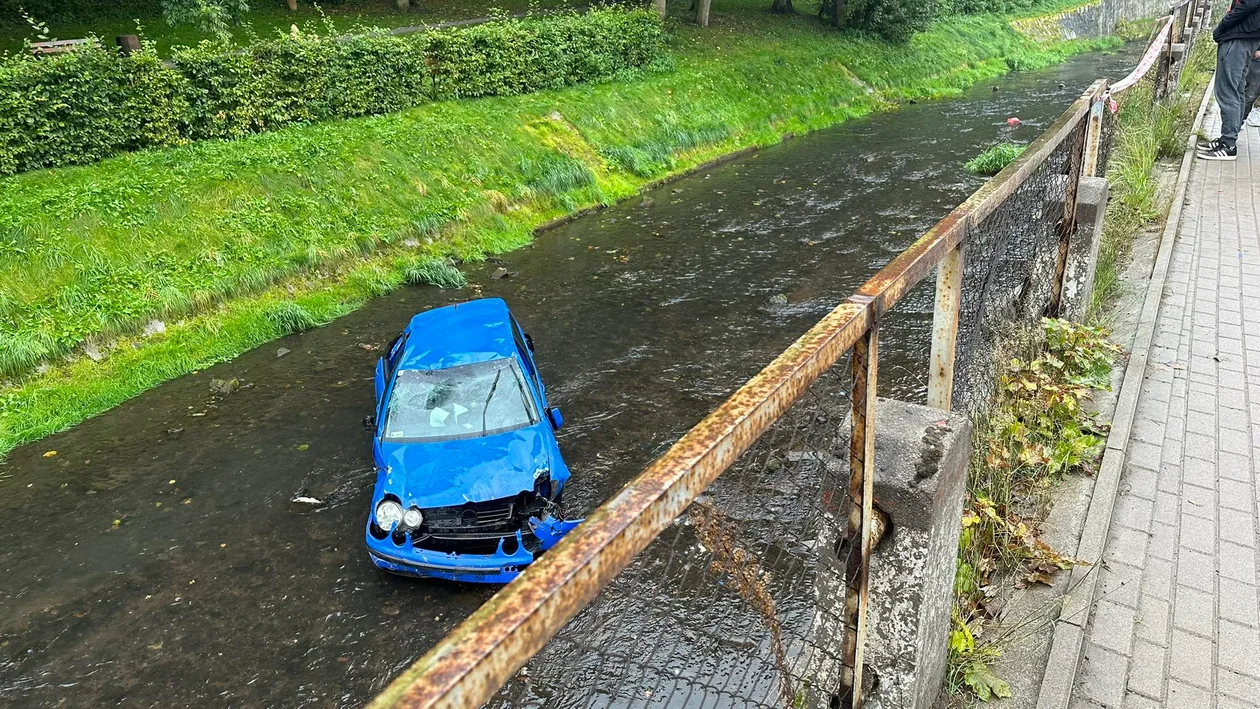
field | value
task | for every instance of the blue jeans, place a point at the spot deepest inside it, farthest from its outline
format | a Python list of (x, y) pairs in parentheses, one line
[(1233, 56)]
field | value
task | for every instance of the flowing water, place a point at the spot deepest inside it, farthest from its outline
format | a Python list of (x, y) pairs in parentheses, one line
[(157, 558)]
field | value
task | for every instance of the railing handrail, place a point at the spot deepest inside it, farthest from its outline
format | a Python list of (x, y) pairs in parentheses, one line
[(469, 665)]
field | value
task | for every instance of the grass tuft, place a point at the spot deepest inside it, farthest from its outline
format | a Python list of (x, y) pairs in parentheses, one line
[(994, 159), (289, 317), (434, 272)]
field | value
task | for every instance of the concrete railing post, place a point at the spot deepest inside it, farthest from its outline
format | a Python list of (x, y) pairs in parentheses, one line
[(920, 483)]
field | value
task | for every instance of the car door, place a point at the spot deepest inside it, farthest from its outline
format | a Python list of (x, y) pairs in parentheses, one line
[(525, 346), (385, 368)]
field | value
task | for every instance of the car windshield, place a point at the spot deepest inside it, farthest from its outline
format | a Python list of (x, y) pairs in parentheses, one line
[(459, 402)]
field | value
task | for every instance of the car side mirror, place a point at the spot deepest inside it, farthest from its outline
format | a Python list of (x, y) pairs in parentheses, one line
[(369, 422), (556, 419)]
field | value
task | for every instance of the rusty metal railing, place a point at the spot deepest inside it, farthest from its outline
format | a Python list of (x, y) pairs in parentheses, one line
[(467, 667)]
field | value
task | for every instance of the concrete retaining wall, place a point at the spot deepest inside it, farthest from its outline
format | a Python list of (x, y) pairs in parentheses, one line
[(1096, 19)]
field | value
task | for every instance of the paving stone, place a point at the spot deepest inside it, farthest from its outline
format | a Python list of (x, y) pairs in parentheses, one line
[(1146, 669), (1184, 696), (1190, 658), (1198, 533), (1239, 601), (1237, 562), (1152, 619), (1238, 685), (1112, 626), (1103, 675), (1239, 648), (1195, 610), (1238, 527)]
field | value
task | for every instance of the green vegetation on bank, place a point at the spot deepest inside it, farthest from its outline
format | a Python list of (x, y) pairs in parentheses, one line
[(1036, 431), (1146, 132), (214, 237), (994, 158)]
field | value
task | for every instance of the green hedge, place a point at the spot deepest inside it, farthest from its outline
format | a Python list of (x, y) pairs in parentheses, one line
[(83, 106)]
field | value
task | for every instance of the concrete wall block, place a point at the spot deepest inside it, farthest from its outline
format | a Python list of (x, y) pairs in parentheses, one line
[(921, 457), (1082, 261)]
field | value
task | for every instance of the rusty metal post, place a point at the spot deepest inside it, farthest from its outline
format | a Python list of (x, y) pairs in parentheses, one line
[(1093, 137), (945, 328), (1076, 160), (865, 365)]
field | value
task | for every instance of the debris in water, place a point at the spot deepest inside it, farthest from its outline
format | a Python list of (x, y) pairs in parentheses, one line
[(304, 446), (282, 352), (303, 499), (647, 202), (50, 454), (501, 273), (1012, 121), (779, 299)]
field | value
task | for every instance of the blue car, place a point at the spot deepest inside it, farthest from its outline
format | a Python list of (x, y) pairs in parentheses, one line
[(469, 475)]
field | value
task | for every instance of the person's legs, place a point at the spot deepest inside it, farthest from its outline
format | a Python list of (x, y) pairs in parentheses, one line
[(1253, 86), (1232, 58)]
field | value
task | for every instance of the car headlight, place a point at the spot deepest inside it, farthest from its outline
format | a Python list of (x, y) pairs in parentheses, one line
[(412, 518), (388, 515)]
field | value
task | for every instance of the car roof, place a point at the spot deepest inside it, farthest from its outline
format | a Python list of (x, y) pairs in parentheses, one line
[(463, 333)]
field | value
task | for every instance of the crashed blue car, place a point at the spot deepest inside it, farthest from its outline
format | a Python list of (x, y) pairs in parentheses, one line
[(469, 475)]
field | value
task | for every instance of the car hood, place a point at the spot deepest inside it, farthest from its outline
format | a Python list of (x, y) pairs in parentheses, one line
[(450, 473)]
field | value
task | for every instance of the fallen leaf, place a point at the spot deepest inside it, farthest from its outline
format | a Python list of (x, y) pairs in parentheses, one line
[(50, 454)]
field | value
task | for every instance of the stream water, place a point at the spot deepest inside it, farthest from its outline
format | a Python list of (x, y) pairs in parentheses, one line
[(157, 559)]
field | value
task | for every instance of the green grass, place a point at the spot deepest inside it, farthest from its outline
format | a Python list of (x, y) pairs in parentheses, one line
[(212, 236), (993, 159), (268, 17), (1146, 133)]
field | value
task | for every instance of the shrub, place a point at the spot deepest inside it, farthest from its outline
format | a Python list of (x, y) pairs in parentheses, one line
[(83, 106), (86, 105), (894, 20)]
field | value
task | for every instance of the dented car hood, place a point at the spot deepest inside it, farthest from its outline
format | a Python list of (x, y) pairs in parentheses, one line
[(451, 473)]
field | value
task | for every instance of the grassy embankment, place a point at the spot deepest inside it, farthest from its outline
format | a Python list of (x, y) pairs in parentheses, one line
[(237, 243)]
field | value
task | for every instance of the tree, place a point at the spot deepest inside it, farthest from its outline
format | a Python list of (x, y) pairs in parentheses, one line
[(210, 16), (782, 7)]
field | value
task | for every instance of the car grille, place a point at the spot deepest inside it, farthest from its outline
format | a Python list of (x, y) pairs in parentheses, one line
[(483, 516)]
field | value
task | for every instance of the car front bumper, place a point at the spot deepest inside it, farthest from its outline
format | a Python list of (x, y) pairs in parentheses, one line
[(407, 560)]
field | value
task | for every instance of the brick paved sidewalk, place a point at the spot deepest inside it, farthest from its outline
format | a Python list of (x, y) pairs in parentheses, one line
[(1177, 618)]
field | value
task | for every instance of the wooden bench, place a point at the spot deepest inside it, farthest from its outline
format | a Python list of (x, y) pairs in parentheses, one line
[(61, 46)]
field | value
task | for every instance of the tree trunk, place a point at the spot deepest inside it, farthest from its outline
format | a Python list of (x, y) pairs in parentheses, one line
[(782, 7), (702, 13), (292, 5), (403, 5), (660, 8)]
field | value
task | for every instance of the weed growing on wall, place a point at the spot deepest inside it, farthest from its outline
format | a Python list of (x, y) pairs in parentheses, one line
[(1037, 430)]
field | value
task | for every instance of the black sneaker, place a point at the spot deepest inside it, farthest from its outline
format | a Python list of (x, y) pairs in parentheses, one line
[(1208, 146), (1220, 151)]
